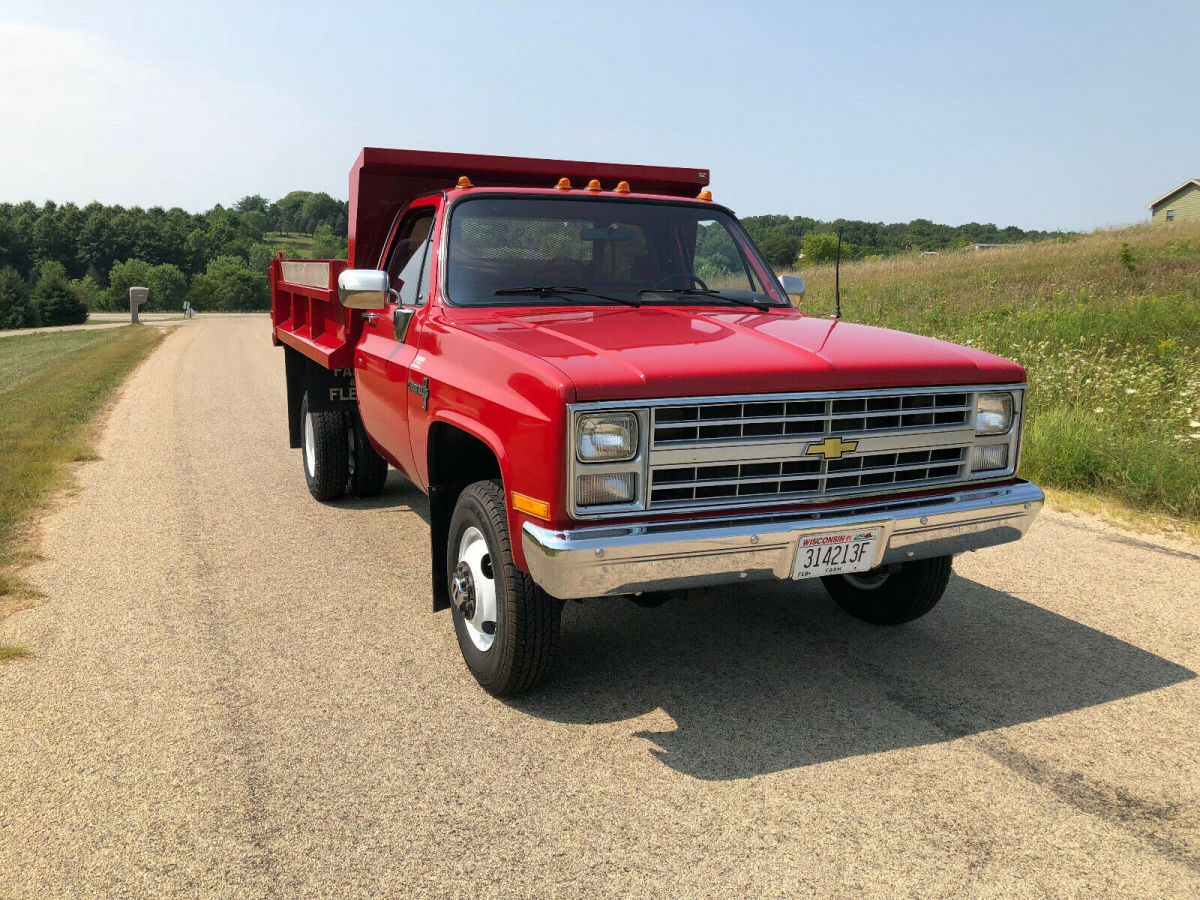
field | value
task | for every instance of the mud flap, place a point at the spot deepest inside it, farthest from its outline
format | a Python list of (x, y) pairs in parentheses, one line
[(441, 508), (329, 390)]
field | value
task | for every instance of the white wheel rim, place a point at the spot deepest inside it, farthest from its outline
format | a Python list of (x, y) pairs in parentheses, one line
[(867, 581), (473, 551), (310, 446)]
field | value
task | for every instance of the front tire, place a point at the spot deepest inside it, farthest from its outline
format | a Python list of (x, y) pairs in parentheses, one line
[(886, 597), (507, 627), (325, 451)]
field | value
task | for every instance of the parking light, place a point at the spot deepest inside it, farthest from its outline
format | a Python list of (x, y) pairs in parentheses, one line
[(601, 490), (988, 457)]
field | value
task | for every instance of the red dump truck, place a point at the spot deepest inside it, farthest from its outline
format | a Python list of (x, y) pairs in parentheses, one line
[(605, 391)]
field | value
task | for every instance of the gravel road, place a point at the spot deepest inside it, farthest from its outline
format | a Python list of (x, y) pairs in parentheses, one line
[(236, 691)]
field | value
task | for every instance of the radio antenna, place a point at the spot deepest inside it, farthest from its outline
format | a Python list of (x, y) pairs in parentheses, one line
[(837, 277)]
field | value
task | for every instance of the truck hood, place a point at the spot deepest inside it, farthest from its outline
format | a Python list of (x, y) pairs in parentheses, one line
[(639, 353)]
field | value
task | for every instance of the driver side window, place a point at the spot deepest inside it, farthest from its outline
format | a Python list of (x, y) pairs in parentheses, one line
[(408, 258)]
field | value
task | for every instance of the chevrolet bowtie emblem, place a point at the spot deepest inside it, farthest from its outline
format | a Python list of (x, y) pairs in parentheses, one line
[(831, 448)]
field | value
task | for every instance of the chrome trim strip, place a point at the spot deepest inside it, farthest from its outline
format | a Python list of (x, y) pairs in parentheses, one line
[(629, 558)]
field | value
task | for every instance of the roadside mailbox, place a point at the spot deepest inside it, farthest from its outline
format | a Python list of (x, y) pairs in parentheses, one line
[(137, 296)]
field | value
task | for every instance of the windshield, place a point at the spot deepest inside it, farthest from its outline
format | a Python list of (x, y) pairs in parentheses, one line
[(527, 250)]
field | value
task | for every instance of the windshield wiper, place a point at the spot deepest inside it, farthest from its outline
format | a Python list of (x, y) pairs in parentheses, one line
[(708, 292), (560, 290)]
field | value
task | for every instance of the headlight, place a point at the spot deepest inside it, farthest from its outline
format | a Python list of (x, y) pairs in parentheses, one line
[(994, 413), (606, 437)]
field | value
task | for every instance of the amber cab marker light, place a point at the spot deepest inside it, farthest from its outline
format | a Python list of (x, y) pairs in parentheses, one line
[(564, 184), (539, 509), (464, 182), (594, 186), (622, 187), (704, 195)]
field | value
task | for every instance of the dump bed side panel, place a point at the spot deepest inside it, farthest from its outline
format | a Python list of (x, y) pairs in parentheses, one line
[(306, 314), (382, 181)]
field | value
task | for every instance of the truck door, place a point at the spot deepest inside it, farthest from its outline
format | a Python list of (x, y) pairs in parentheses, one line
[(390, 339)]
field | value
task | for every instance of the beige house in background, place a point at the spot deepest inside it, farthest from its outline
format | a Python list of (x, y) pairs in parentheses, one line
[(1180, 204)]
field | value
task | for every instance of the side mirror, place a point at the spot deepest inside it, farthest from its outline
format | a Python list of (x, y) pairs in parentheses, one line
[(793, 285), (363, 289)]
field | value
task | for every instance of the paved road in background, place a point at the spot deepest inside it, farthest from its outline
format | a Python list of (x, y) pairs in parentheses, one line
[(113, 320), (236, 691)]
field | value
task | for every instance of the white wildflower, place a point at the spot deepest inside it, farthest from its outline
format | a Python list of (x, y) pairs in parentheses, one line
[(1131, 390), (1098, 409), (1193, 424)]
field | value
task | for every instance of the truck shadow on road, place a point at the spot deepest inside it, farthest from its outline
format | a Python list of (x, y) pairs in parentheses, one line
[(765, 678), (398, 492)]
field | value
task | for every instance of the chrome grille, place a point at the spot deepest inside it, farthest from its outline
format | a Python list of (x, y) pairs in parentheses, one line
[(703, 422), (719, 453)]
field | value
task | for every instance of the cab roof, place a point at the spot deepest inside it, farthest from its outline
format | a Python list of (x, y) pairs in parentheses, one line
[(382, 181)]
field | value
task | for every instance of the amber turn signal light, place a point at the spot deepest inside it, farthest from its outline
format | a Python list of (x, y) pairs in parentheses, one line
[(564, 184), (464, 182), (594, 185), (704, 195), (622, 187), (539, 509)]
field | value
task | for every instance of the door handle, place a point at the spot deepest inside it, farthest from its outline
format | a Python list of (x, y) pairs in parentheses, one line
[(402, 318)]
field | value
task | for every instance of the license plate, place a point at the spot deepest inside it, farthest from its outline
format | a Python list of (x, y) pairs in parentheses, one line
[(836, 553)]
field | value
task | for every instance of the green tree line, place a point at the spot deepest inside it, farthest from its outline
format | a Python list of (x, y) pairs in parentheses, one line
[(57, 263), (793, 241)]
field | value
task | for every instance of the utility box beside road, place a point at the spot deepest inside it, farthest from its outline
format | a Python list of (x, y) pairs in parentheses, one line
[(137, 296)]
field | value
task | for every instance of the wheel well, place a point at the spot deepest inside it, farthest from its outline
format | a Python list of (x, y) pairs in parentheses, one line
[(455, 459)]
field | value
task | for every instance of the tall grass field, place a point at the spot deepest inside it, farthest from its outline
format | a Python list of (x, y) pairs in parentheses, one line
[(1107, 326)]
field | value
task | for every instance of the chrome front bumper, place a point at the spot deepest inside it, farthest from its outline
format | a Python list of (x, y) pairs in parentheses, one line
[(627, 559)]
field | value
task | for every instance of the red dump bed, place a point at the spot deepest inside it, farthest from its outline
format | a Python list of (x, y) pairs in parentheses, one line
[(304, 308), (306, 314)]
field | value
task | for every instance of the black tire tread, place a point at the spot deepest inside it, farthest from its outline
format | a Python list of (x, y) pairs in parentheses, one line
[(534, 616), (333, 454), (905, 596)]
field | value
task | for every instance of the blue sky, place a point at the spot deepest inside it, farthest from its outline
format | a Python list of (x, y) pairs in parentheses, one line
[(1046, 115)]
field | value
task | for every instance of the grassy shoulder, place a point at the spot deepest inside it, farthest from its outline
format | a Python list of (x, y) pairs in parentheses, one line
[(1108, 327), (51, 387)]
